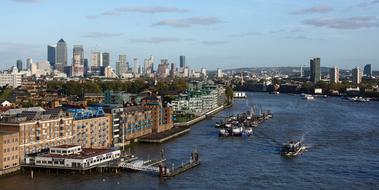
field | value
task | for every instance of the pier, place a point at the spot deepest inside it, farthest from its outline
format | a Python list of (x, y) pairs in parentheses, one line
[(164, 172)]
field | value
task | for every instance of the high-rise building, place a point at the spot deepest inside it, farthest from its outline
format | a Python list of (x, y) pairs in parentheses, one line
[(315, 70), (19, 64), (220, 74), (96, 59), (203, 72), (357, 75), (61, 55), (78, 55), (51, 55), (367, 71), (163, 69), (78, 61), (149, 65), (106, 59), (334, 75), (173, 70), (182, 61), (121, 68), (86, 67), (29, 62), (135, 66)]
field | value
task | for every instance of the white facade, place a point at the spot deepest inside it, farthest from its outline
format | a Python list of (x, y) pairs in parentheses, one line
[(44, 68), (179, 105), (75, 157), (220, 74), (96, 59), (13, 80)]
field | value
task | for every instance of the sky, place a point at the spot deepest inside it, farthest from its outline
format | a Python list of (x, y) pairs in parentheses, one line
[(211, 34)]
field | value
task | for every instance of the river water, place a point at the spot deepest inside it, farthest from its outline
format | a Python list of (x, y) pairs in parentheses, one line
[(344, 152)]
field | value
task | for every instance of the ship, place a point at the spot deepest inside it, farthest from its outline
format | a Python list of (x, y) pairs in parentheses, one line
[(235, 132), (292, 149)]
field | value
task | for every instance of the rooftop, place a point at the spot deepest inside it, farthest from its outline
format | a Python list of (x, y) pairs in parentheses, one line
[(64, 146), (84, 154)]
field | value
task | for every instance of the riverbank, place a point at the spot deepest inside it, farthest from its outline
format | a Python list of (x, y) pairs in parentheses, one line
[(203, 117), (180, 128)]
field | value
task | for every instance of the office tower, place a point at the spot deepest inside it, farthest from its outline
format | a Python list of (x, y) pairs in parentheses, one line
[(163, 69), (51, 55), (19, 65), (149, 65), (78, 55), (106, 59), (124, 61), (96, 59), (29, 62), (204, 72), (86, 68), (185, 72), (173, 70), (121, 68), (135, 66), (357, 75), (220, 74), (182, 61), (367, 71), (315, 70), (78, 61), (334, 75), (61, 53)]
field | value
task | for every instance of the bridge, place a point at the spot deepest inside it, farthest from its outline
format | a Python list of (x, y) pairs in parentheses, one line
[(141, 165)]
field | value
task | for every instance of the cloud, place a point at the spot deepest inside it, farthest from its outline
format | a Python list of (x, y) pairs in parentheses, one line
[(25, 1), (155, 40), (140, 9), (368, 4), (110, 13), (213, 42), (246, 34), (300, 37), (189, 22), (102, 35), (152, 10), (344, 23), (316, 9)]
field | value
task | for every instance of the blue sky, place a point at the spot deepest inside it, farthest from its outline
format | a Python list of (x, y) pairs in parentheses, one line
[(211, 34)]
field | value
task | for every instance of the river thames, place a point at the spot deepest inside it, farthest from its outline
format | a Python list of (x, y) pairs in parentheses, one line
[(344, 152)]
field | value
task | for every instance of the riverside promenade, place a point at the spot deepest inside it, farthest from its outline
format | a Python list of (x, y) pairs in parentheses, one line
[(179, 128)]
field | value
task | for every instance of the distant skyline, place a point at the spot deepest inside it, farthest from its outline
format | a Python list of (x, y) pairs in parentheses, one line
[(211, 34)]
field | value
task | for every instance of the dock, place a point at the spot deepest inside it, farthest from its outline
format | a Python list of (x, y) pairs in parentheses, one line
[(164, 172)]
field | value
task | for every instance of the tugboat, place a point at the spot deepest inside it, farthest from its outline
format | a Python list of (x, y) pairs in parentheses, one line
[(292, 149)]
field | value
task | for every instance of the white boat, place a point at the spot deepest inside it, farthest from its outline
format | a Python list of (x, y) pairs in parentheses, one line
[(308, 97)]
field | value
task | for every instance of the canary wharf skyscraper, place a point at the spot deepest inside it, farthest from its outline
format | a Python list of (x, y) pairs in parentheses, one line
[(61, 55)]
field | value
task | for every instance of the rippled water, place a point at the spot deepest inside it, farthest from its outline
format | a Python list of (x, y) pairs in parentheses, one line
[(343, 154)]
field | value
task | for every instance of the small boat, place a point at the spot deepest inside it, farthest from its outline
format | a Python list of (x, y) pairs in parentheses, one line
[(359, 99), (223, 133), (248, 131), (308, 97), (237, 131), (292, 149)]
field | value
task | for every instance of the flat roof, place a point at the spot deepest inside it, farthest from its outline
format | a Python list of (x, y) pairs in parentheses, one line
[(84, 154), (64, 146)]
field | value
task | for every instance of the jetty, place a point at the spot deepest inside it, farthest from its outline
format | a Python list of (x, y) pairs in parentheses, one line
[(165, 172)]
